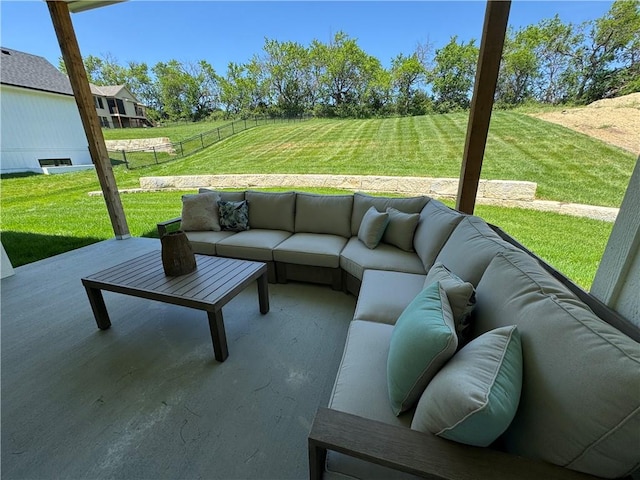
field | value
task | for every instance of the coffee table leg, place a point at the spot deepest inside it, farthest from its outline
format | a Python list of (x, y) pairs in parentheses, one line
[(263, 293), (98, 307), (218, 335)]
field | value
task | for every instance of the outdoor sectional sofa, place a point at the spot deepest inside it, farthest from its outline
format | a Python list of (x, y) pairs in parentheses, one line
[(516, 376)]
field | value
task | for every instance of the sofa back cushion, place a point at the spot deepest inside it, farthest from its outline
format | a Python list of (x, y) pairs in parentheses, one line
[(324, 214), (225, 196), (470, 248), (362, 202), (436, 223), (270, 210), (580, 402)]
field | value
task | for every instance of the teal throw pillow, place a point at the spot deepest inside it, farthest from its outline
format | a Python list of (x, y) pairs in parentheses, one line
[(474, 398), (423, 339), (234, 216)]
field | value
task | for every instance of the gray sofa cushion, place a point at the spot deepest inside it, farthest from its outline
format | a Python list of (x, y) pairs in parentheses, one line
[(270, 210), (225, 196), (205, 242), (384, 295), (252, 244), (356, 257), (318, 250), (324, 214), (362, 202), (580, 403), (360, 388), (436, 223), (470, 248)]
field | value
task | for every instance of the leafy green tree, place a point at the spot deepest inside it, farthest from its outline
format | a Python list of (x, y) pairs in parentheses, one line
[(188, 92), (453, 74), (344, 73), (554, 40), (518, 67), (243, 91), (407, 73), (287, 67), (606, 40)]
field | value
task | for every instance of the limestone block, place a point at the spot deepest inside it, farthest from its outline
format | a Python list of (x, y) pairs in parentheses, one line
[(508, 190)]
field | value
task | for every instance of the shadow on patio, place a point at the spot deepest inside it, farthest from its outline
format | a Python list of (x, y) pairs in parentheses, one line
[(146, 399)]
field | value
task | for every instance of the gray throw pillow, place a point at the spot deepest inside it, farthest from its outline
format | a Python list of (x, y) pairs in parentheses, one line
[(401, 228), (200, 212), (372, 227), (234, 216), (461, 296)]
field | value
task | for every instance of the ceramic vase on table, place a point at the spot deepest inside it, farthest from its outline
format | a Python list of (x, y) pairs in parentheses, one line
[(177, 255)]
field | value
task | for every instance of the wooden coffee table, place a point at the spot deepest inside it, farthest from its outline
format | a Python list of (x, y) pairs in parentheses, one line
[(211, 286)]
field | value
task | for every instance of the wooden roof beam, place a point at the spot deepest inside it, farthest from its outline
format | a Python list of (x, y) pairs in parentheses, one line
[(495, 27), (61, 19)]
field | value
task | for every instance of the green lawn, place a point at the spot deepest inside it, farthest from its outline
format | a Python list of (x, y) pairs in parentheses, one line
[(567, 166), (45, 215)]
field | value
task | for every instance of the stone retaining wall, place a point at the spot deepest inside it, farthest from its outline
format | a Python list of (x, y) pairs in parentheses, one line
[(161, 144), (503, 190)]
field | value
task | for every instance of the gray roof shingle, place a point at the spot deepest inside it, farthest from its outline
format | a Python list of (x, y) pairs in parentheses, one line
[(30, 71)]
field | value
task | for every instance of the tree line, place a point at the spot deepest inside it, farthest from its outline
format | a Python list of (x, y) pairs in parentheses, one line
[(550, 62)]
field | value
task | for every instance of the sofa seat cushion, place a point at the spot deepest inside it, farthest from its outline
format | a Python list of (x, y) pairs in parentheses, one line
[(205, 242), (271, 210), (362, 202), (579, 406), (384, 295), (252, 244), (356, 258), (436, 223), (330, 214), (470, 248), (315, 249), (360, 388)]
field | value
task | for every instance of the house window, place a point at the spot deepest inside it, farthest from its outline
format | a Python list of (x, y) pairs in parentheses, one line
[(54, 162), (98, 102), (112, 105), (121, 109), (104, 121)]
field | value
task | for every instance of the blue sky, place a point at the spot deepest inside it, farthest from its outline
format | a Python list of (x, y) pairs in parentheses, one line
[(223, 32)]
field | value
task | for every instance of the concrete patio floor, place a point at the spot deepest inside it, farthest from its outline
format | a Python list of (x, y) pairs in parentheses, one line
[(146, 399)]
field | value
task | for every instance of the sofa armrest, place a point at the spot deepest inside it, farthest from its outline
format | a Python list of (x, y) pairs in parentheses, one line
[(417, 453), (163, 226)]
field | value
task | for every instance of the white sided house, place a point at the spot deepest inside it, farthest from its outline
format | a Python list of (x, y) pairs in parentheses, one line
[(41, 130), (117, 107)]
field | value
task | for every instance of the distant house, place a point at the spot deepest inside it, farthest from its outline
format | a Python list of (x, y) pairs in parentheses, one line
[(40, 126), (118, 108)]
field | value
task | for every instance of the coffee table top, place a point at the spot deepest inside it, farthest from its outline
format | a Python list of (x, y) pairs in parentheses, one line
[(216, 280)]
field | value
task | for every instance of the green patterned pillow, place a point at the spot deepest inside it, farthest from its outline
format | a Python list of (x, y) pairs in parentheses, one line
[(234, 216)]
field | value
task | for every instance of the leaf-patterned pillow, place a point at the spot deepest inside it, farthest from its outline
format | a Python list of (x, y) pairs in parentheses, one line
[(234, 216)]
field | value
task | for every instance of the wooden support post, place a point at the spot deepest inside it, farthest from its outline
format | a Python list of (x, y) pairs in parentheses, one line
[(61, 19), (493, 34)]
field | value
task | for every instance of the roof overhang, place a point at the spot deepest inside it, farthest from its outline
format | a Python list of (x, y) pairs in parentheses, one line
[(76, 6)]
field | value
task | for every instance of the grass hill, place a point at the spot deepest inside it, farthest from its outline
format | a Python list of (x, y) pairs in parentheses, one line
[(567, 166)]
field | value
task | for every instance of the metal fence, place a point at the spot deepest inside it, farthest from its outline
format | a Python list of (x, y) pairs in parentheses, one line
[(155, 155)]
